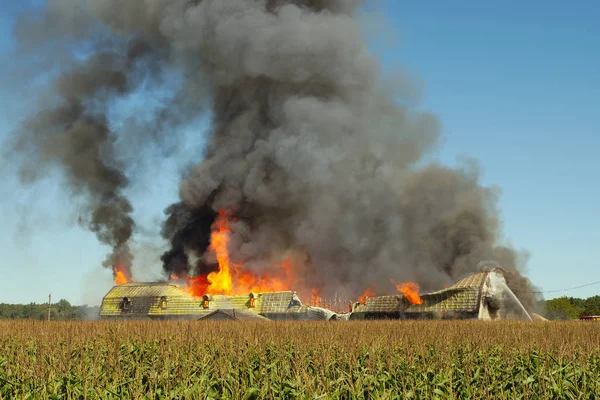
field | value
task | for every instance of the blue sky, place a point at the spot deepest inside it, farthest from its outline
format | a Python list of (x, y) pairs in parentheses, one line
[(515, 85)]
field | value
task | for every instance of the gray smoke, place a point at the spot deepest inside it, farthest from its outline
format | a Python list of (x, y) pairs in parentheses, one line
[(71, 130), (69, 126), (310, 149)]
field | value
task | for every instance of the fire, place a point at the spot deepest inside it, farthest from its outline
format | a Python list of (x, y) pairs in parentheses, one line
[(231, 278), (410, 290), (367, 293), (221, 281), (196, 286), (121, 275), (315, 299)]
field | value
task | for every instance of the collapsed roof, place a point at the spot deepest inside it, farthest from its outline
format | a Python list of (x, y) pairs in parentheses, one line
[(483, 295)]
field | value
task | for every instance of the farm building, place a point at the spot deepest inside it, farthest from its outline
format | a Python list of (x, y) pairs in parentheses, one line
[(170, 301), (483, 296)]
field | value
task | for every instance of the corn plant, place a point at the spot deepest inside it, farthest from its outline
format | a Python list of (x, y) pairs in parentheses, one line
[(299, 360)]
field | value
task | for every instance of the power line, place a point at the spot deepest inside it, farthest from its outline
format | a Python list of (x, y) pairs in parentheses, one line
[(496, 264), (564, 290)]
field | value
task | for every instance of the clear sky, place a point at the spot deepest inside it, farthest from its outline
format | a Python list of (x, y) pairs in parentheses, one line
[(515, 84)]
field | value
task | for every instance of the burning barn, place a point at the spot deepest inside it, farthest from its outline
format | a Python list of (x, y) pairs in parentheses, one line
[(312, 175), (170, 301), (483, 296)]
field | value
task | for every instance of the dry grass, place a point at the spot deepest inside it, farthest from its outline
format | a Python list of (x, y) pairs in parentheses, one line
[(358, 360)]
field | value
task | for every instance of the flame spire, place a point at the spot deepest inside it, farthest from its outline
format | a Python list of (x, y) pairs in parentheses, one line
[(410, 290), (220, 282), (121, 275)]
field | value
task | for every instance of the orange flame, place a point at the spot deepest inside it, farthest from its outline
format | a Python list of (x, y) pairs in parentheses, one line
[(221, 281), (367, 293), (315, 299), (121, 275), (196, 286), (410, 290), (231, 278)]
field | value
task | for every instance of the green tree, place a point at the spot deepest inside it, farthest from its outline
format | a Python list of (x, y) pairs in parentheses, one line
[(563, 308), (63, 306), (63, 310), (591, 306)]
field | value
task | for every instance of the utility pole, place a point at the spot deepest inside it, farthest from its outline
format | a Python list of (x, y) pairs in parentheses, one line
[(49, 305)]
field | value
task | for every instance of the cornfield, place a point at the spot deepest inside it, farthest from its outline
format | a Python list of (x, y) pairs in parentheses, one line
[(298, 360)]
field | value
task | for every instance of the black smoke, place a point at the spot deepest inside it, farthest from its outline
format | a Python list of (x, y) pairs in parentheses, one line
[(187, 230), (309, 147)]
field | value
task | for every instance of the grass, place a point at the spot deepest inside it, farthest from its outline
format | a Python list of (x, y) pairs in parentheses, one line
[(324, 360)]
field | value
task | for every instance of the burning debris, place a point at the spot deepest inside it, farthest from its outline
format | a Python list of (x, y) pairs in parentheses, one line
[(311, 180)]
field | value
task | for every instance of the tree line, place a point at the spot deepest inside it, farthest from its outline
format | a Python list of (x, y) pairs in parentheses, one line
[(572, 307), (62, 310)]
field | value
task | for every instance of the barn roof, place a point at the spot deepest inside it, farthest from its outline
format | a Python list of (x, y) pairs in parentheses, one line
[(137, 289), (145, 300)]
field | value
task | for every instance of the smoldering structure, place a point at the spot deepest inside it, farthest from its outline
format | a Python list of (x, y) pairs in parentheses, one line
[(310, 149), (484, 296), (480, 296)]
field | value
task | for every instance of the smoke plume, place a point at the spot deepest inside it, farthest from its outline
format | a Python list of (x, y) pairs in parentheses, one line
[(184, 228), (309, 149), (70, 127)]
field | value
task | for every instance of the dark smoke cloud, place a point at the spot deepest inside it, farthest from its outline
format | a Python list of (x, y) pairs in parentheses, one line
[(313, 154), (188, 230), (309, 148), (70, 126)]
